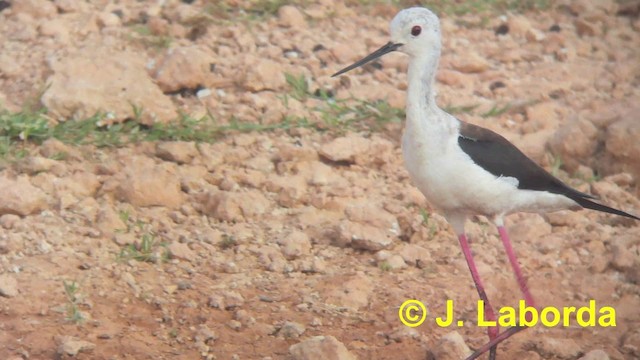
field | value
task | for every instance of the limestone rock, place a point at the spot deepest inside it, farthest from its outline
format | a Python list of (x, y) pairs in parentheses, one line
[(144, 183), (362, 236), (451, 347), (295, 244), (186, 67), (320, 347), (291, 330), (71, 346), (35, 8), (622, 144), (470, 63), (595, 355), (181, 251), (574, 142), (519, 25), (289, 16), (101, 80), (557, 347), (345, 148), (8, 286), (19, 197), (263, 74), (232, 206), (353, 293), (181, 152)]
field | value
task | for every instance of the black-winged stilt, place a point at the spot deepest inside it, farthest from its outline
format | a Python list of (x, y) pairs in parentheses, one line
[(463, 169)]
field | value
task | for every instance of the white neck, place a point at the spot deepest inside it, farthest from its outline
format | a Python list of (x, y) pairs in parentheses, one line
[(423, 114)]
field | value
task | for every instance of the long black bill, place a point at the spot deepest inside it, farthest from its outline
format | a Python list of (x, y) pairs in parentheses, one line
[(387, 48)]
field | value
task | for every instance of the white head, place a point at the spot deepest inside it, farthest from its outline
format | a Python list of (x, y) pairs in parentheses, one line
[(417, 29), (414, 31)]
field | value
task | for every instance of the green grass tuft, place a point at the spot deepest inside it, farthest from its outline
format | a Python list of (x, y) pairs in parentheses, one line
[(71, 291)]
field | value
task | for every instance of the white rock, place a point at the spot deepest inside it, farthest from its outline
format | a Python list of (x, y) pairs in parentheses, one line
[(102, 80), (181, 251), (595, 355), (295, 244), (186, 67), (291, 330), (289, 16), (263, 74), (451, 347), (19, 197), (8, 285), (320, 347), (72, 346)]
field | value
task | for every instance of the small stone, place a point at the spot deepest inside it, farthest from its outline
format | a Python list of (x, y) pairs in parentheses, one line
[(72, 346), (227, 300), (585, 28), (181, 152), (395, 262), (186, 67), (470, 63), (415, 255), (36, 164), (534, 35), (345, 148), (362, 236), (532, 227), (35, 8), (451, 347), (353, 293), (9, 221), (595, 355), (291, 330), (263, 74), (519, 25), (295, 245), (99, 80), (320, 347), (181, 251), (574, 142), (563, 348), (19, 197), (232, 206), (289, 16), (205, 334), (8, 286), (144, 183), (108, 20)]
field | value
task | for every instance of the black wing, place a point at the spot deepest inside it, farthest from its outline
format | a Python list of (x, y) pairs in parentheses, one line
[(498, 156)]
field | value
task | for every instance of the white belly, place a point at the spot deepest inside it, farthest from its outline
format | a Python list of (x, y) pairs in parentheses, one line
[(453, 183)]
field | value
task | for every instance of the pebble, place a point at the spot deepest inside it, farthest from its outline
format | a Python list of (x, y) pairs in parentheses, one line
[(595, 355), (320, 347), (295, 245), (289, 16), (291, 330), (8, 286), (72, 346), (19, 197), (181, 152), (451, 347)]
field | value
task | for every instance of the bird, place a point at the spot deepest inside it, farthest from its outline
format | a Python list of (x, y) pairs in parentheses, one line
[(465, 170)]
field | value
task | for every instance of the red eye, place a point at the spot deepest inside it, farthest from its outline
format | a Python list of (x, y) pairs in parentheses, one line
[(416, 30)]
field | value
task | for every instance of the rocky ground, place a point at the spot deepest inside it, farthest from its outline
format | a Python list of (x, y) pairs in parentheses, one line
[(301, 243)]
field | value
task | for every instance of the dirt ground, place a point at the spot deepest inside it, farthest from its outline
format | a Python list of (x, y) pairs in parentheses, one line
[(250, 246)]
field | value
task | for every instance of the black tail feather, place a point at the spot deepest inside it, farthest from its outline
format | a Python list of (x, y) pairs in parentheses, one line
[(588, 204)]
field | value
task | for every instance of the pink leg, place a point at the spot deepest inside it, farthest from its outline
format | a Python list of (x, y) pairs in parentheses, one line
[(522, 282), (494, 341), (491, 316)]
